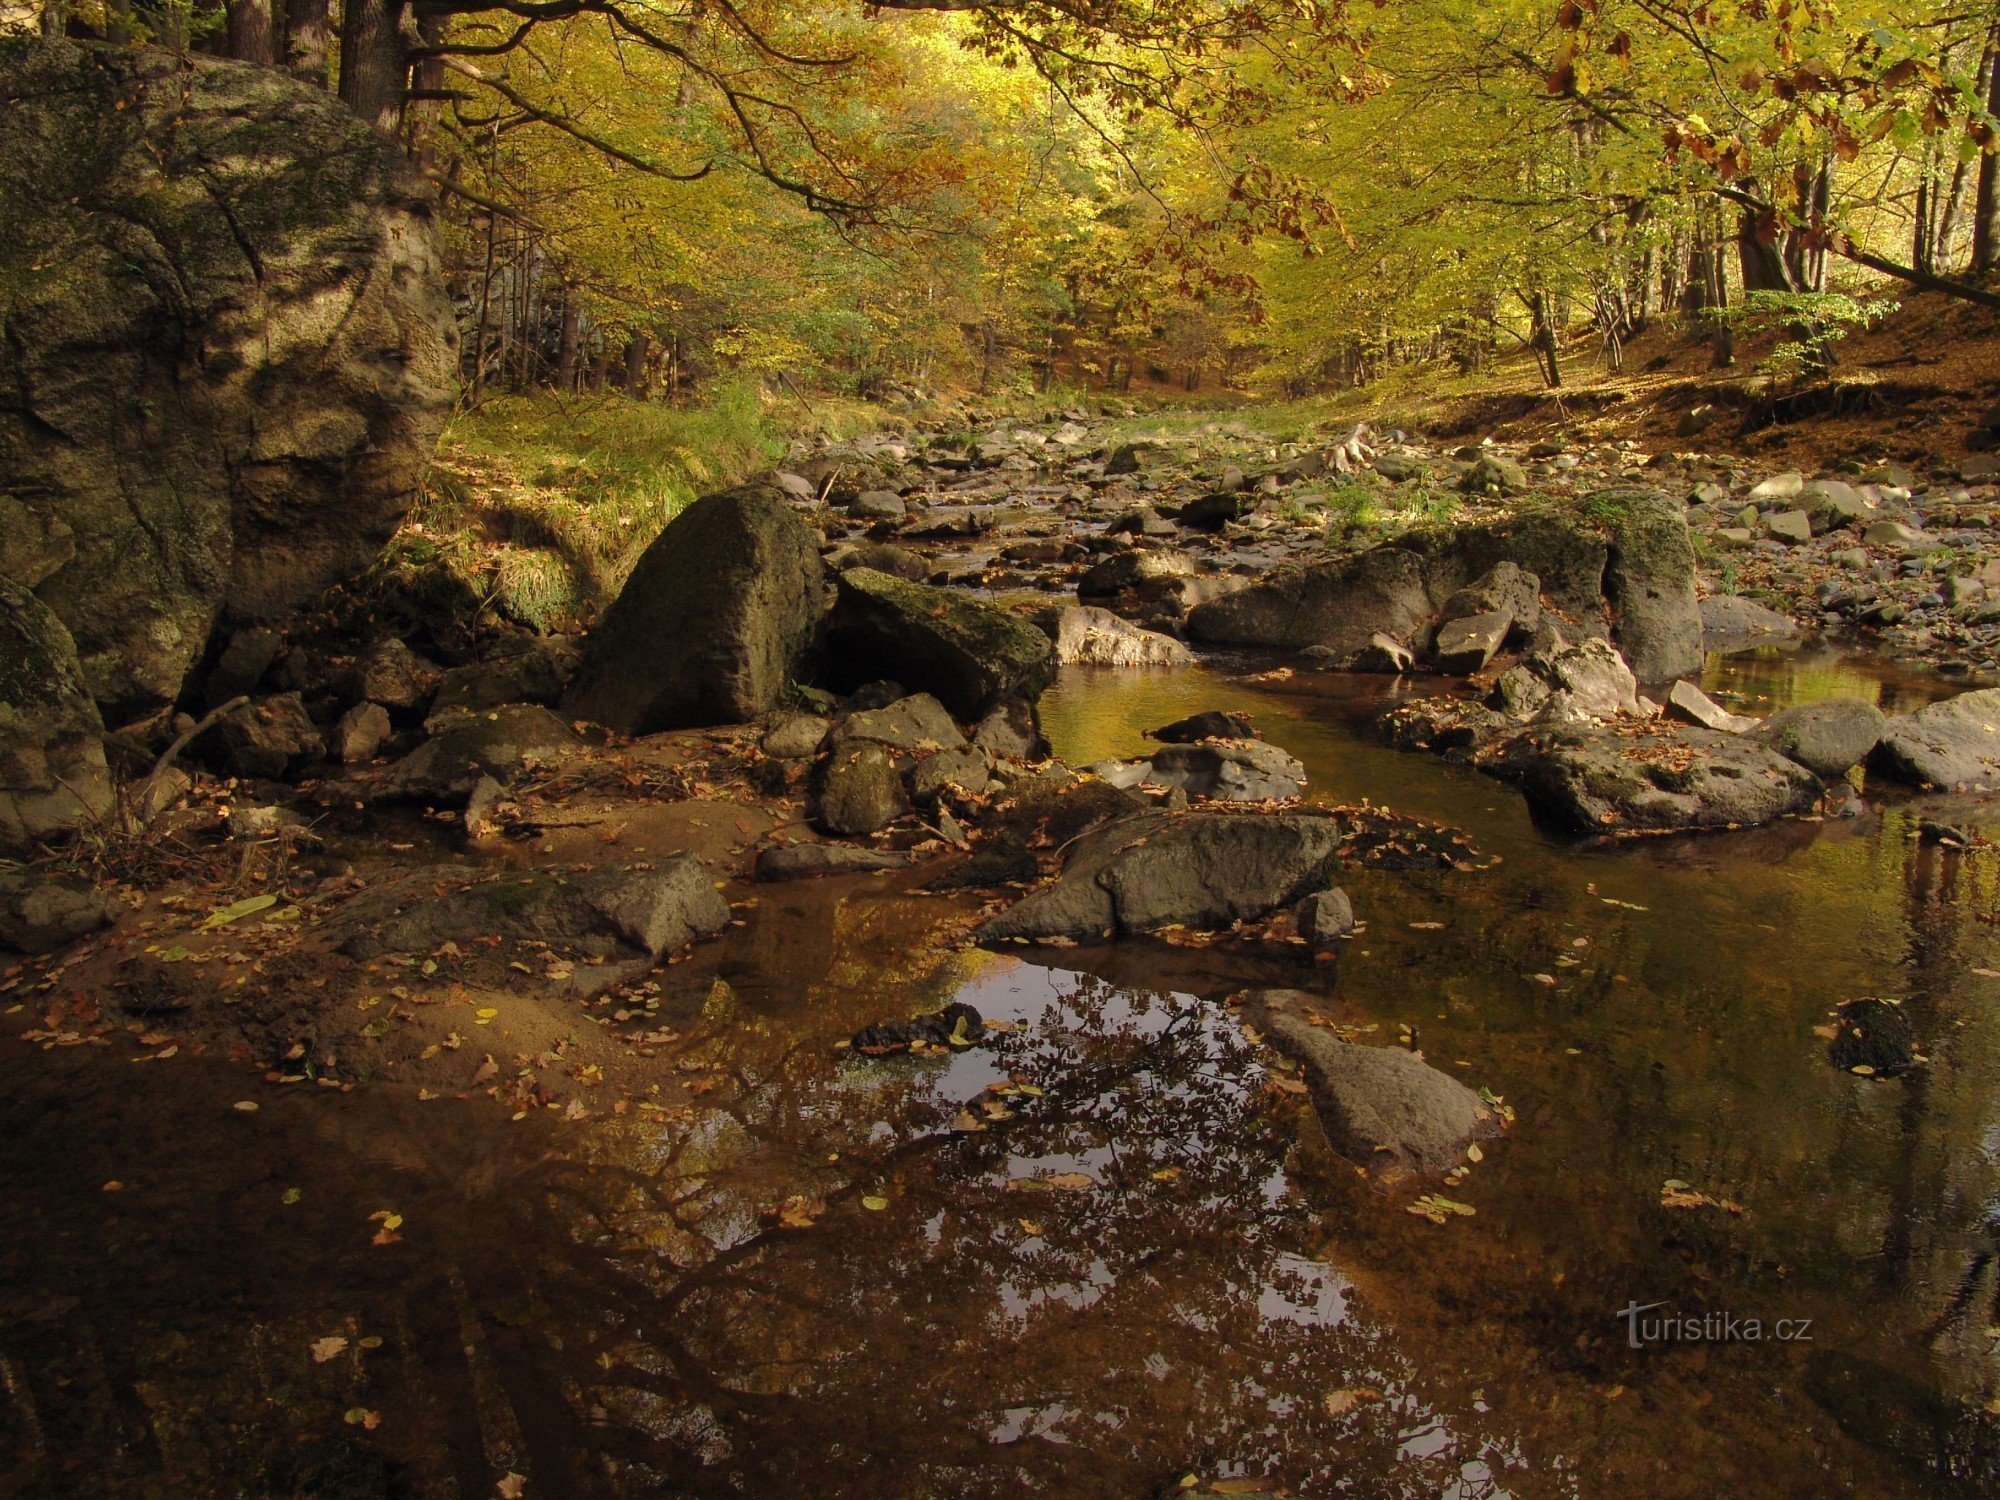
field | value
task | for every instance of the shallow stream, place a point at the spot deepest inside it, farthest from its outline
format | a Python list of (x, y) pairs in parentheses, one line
[(1147, 1265)]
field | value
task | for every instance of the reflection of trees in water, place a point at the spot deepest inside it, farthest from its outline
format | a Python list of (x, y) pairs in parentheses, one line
[(974, 1338)]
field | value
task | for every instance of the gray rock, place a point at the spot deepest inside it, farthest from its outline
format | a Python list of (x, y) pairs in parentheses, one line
[(229, 355), (1325, 917), (796, 486), (1228, 770), (1381, 655), (645, 910), (1895, 535), (1587, 681), (1382, 1108), (1521, 693), (1666, 776), (858, 790), (1012, 730), (965, 652), (1567, 556), (877, 505), (916, 724), (1201, 869), (1691, 705), (1089, 637), (713, 623), (795, 737), (519, 669), (1505, 589), (1831, 503), (498, 743), (898, 562), (1649, 578), (1828, 738), (1465, 646), (242, 665), (804, 861), (1494, 472), (360, 733), (39, 914), (1126, 570), (1130, 458), (1210, 724), (1953, 744), (1731, 623), (267, 738), (964, 769), (1340, 604), (53, 776), (1789, 525), (396, 677), (1777, 489)]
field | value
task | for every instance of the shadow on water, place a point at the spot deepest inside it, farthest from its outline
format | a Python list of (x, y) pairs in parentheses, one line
[(1145, 1263)]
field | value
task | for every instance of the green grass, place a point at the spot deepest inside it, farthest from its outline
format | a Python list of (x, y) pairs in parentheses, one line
[(537, 508)]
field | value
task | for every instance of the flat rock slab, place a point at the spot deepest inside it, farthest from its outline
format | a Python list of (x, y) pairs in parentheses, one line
[(630, 911), (497, 743), (965, 652), (1229, 771), (1202, 869), (1089, 637), (803, 861), (1382, 1108), (1954, 744), (1827, 738), (1657, 777), (1732, 623)]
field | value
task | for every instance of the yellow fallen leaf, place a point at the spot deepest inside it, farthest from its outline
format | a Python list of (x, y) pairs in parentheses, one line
[(328, 1348)]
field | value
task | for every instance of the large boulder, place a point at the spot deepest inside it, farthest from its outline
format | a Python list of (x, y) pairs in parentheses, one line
[(1827, 738), (1089, 637), (1157, 870), (1340, 604), (1650, 581), (1730, 622), (1618, 780), (712, 624), (964, 652), (52, 771), (1382, 1108), (1567, 557), (39, 914), (229, 349), (499, 744), (1954, 744)]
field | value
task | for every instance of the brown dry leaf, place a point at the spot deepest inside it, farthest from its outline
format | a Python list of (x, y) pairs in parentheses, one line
[(799, 1211), (1340, 1403), (511, 1487), (330, 1347)]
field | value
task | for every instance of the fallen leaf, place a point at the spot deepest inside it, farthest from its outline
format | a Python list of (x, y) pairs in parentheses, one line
[(328, 1348), (1340, 1403), (222, 916), (872, 1201)]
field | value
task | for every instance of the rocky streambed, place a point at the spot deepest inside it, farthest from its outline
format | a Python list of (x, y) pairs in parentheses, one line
[(1099, 1020)]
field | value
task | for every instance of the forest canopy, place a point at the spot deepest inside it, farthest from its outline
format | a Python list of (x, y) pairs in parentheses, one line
[(1013, 193)]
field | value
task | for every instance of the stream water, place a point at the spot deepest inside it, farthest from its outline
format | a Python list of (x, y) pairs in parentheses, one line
[(1153, 1268)]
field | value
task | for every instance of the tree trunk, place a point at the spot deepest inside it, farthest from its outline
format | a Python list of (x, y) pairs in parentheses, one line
[(251, 38), (1986, 200), (1543, 336), (572, 326), (1762, 263), (308, 40), (635, 366), (373, 73)]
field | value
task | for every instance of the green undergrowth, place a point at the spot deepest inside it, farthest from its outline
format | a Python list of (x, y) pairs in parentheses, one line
[(536, 509)]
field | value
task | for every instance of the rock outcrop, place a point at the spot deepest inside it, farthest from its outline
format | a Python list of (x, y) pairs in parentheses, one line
[(229, 350), (967, 653), (1620, 780), (1954, 745), (713, 623), (52, 770)]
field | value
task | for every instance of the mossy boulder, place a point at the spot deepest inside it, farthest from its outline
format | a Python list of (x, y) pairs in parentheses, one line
[(966, 653), (229, 349), (1649, 579), (714, 622), (52, 771)]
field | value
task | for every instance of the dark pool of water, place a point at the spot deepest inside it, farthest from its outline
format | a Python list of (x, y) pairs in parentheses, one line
[(1153, 1267)]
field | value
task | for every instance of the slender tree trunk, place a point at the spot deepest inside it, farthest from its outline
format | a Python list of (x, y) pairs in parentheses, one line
[(308, 40), (1922, 231), (251, 36), (572, 326), (1543, 335), (635, 365), (373, 73), (1986, 199), (1942, 258), (118, 22)]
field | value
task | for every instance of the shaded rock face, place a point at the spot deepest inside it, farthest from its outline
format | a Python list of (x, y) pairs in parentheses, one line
[(1339, 604), (712, 624), (229, 349), (1567, 558), (858, 790), (967, 654), (497, 744), (1151, 871), (1951, 744), (39, 915), (1221, 770), (1827, 738), (1594, 779), (1650, 580), (623, 911), (52, 771), (1382, 1108)]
